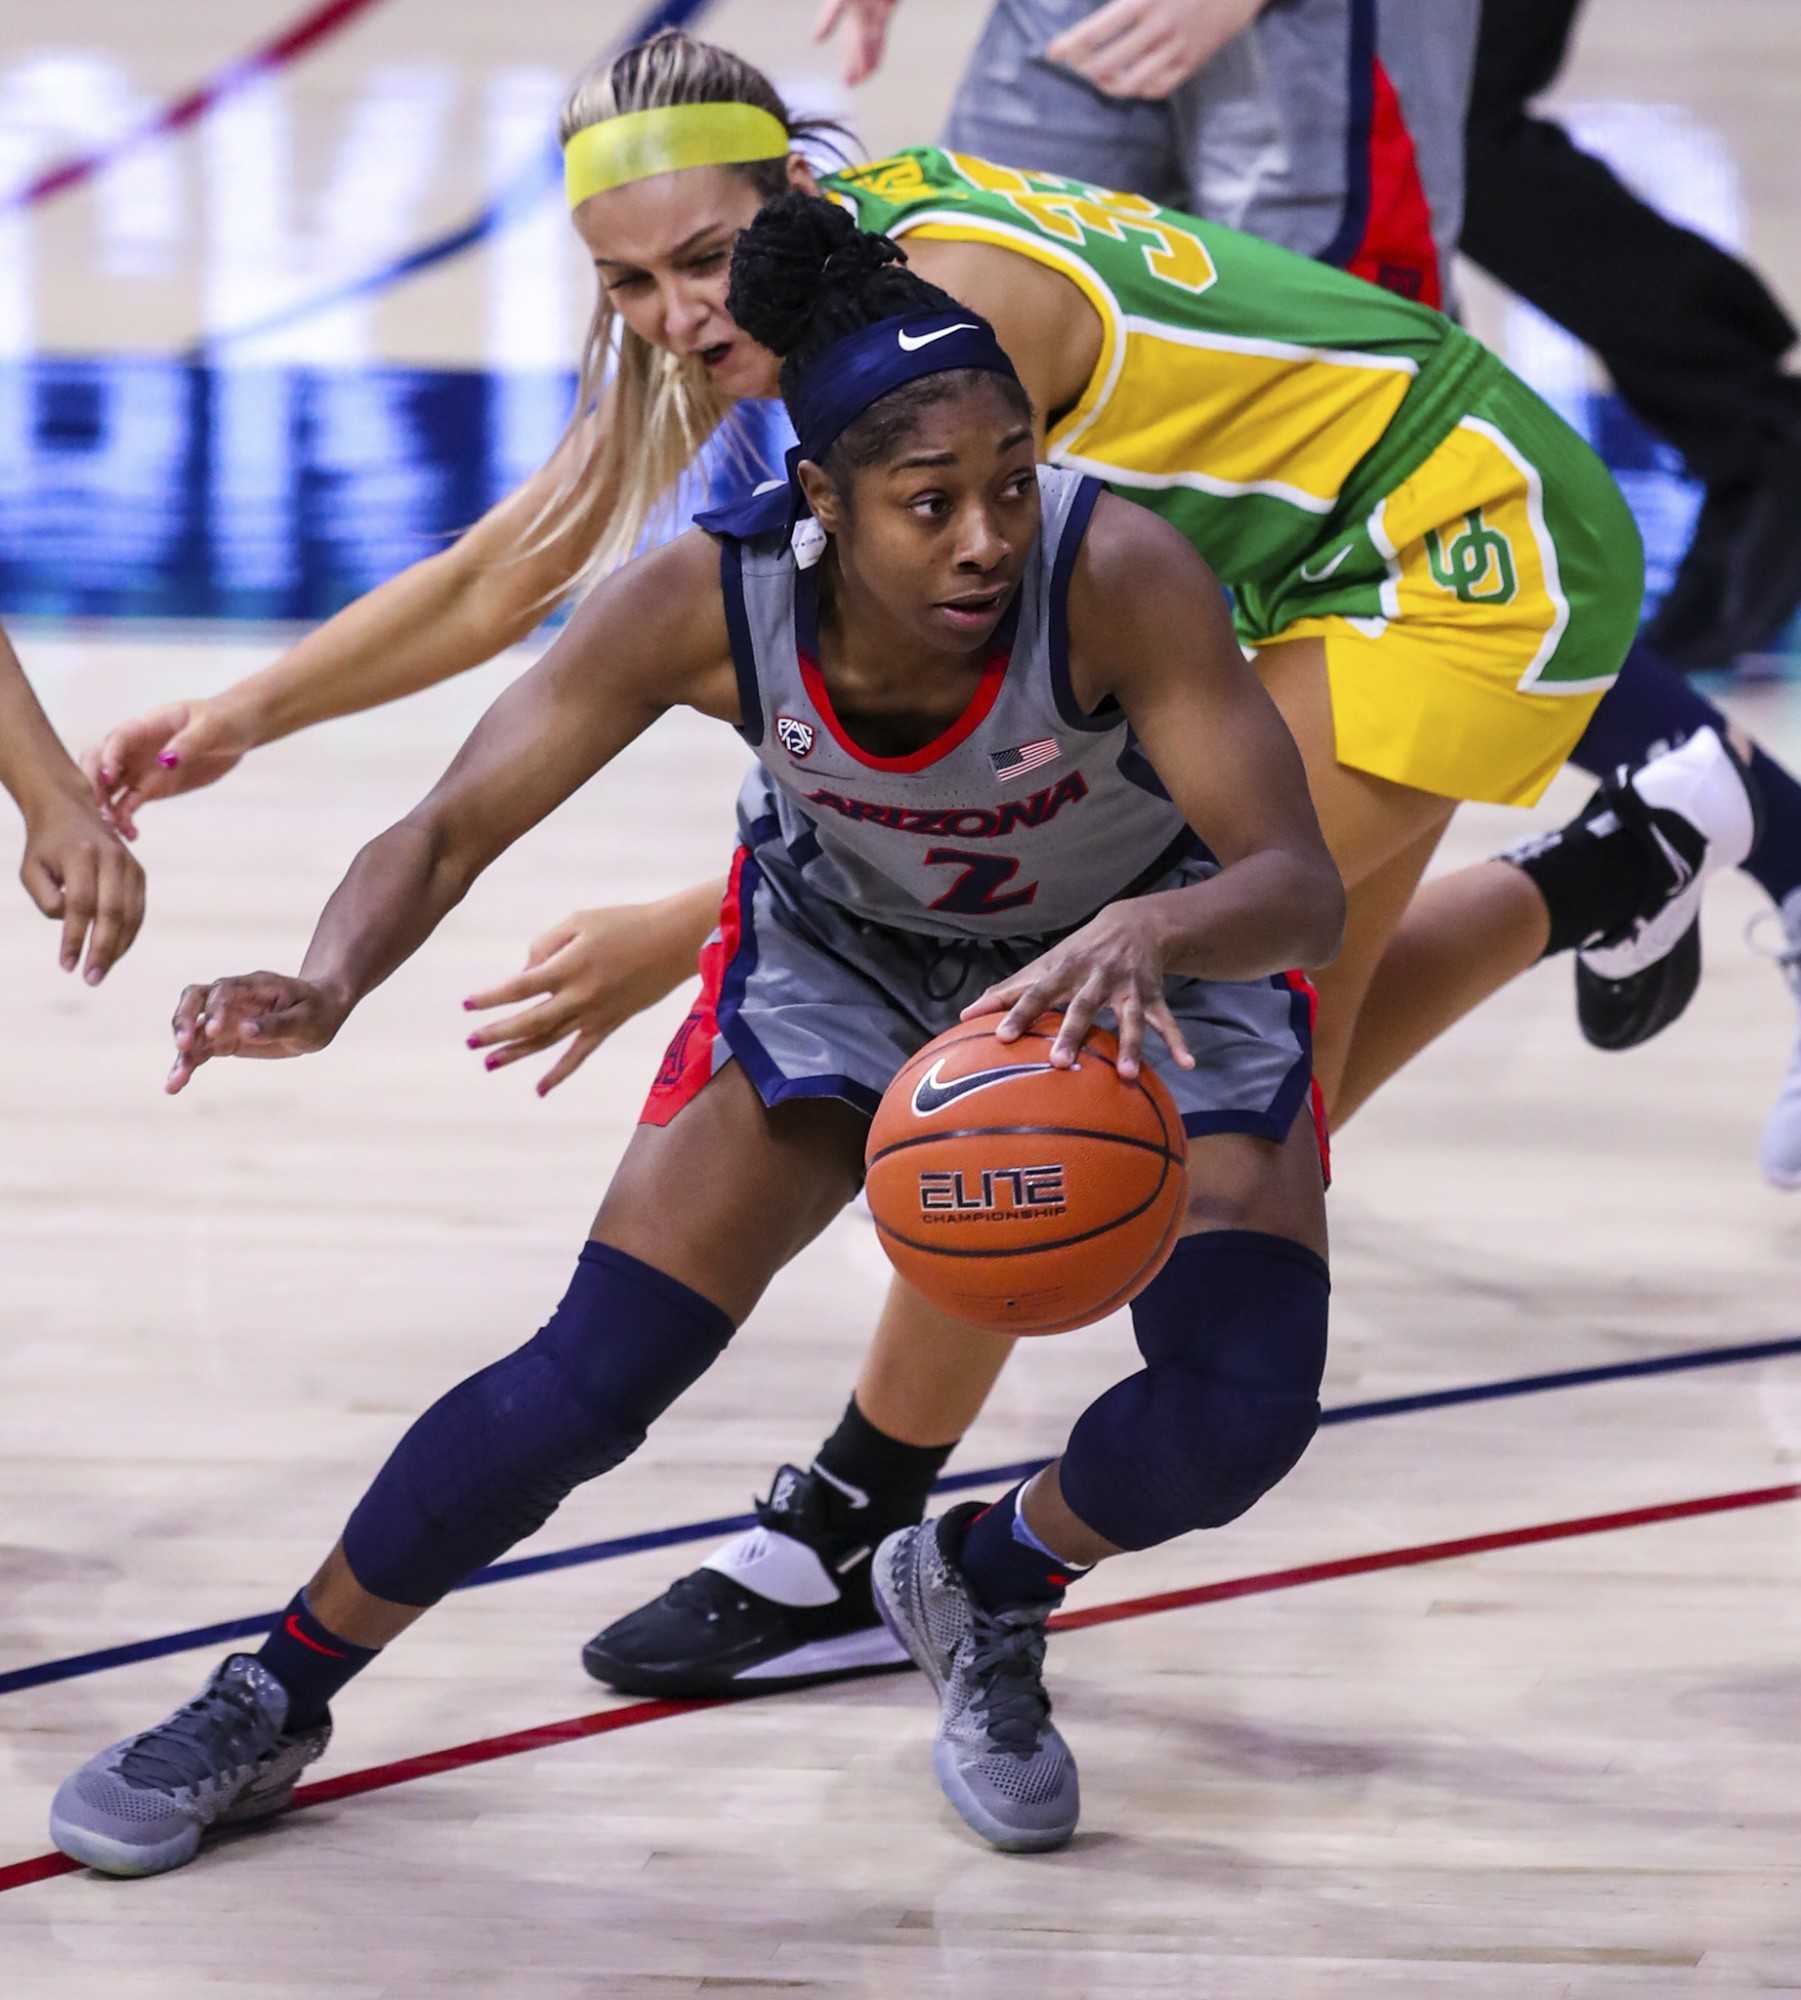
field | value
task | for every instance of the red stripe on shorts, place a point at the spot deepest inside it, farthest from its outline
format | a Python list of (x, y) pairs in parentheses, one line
[(687, 1066), (1397, 250), (1298, 982)]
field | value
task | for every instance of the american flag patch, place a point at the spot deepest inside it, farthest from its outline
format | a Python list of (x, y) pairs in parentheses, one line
[(1016, 763)]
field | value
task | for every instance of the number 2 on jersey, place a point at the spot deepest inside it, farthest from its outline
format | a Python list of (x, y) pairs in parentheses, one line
[(973, 892)]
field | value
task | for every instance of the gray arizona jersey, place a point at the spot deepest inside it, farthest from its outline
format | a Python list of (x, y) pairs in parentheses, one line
[(1021, 819)]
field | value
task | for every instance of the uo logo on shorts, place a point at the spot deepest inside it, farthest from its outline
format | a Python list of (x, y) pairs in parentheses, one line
[(795, 736), (1475, 564)]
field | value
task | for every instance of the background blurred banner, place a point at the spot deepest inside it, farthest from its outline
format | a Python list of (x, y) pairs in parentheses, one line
[(274, 334)]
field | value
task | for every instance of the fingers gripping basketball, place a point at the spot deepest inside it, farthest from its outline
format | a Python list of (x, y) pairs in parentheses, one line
[(1021, 1196)]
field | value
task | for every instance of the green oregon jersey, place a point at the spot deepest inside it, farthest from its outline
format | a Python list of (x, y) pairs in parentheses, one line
[(1262, 402)]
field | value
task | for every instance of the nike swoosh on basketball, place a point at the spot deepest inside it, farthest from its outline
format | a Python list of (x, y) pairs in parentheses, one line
[(912, 343), (1320, 575), (930, 1095)]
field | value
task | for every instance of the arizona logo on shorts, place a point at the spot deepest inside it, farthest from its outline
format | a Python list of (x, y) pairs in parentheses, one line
[(795, 736)]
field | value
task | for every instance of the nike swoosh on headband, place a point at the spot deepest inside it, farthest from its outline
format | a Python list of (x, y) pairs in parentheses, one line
[(912, 344), (930, 1095)]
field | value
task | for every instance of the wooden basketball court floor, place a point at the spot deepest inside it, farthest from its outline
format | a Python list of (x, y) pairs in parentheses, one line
[(1497, 1695)]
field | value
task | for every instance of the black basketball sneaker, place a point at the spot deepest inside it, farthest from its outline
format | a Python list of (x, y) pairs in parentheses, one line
[(1695, 810), (783, 1605)]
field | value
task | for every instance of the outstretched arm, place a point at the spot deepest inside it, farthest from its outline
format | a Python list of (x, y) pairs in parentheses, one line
[(651, 637), (436, 619), (1148, 626), (74, 869)]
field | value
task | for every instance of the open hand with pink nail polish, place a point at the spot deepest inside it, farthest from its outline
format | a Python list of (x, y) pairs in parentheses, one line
[(176, 748), (590, 974)]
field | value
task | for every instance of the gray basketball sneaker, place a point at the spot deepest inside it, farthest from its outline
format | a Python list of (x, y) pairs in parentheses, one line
[(998, 1759), (220, 1760)]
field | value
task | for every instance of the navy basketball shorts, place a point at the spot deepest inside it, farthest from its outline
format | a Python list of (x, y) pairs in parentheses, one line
[(815, 1002)]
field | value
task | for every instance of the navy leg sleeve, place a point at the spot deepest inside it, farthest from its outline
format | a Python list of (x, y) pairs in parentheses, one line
[(1650, 708), (1233, 1334), (490, 1462)]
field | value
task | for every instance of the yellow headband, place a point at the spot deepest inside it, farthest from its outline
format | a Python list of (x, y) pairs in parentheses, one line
[(637, 144)]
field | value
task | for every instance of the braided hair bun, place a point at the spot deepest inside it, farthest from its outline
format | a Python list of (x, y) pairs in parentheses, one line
[(804, 275)]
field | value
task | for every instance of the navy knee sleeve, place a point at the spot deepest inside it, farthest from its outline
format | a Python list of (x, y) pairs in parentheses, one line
[(490, 1462), (1650, 708), (1233, 1333)]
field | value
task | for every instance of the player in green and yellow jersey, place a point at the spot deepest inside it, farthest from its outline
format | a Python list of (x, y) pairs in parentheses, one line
[(1355, 466)]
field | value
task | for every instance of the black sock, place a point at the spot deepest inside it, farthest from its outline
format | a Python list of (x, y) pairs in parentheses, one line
[(865, 1466), (311, 1662), (1596, 876), (1004, 1562)]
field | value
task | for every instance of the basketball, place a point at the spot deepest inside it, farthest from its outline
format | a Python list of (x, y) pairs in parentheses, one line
[(1018, 1196)]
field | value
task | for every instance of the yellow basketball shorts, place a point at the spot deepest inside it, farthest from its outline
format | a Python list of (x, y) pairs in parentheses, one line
[(1477, 614)]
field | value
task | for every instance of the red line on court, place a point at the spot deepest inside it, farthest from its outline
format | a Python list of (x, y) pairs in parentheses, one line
[(1422, 1552), (293, 42), (378, 1777), (459, 1756)]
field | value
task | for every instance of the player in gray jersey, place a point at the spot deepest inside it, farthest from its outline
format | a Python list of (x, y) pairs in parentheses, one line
[(1022, 764), (930, 875), (966, 626)]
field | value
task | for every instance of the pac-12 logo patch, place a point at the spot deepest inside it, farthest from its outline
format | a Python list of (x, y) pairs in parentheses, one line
[(795, 736)]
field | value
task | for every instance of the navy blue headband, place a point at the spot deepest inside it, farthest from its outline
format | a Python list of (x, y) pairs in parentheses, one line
[(840, 384)]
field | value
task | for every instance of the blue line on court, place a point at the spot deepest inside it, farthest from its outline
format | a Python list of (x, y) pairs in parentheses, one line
[(543, 171), (75, 1665)]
